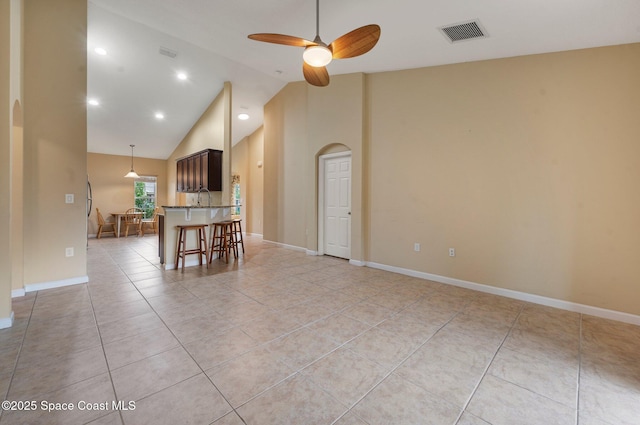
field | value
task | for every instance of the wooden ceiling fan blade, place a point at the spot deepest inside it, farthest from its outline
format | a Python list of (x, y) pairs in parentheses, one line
[(356, 42), (316, 76), (287, 40)]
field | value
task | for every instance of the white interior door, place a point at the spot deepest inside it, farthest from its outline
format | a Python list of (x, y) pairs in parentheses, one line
[(337, 206)]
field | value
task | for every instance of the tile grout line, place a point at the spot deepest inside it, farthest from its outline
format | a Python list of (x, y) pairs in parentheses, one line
[(484, 374), (181, 345), (393, 369), (385, 376), (299, 370), (98, 326), (15, 366), (579, 372), (104, 353), (350, 412), (82, 380)]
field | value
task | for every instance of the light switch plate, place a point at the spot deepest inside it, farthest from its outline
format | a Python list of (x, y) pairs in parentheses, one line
[(68, 198)]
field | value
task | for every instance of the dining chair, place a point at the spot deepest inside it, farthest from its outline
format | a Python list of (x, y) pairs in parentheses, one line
[(133, 218), (153, 222), (102, 225)]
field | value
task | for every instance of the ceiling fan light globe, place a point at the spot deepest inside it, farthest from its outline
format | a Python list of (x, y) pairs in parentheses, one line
[(317, 56)]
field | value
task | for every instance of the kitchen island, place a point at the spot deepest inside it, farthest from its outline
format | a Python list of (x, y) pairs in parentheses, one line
[(185, 215)]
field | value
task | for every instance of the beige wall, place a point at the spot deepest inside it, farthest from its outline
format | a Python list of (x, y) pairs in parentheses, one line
[(11, 179), (336, 118), (239, 167), (246, 155), (55, 139), (255, 194), (526, 166), (211, 131), (301, 123), (17, 148), (111, 192), (285, 158), (17, 199), (6, 123)]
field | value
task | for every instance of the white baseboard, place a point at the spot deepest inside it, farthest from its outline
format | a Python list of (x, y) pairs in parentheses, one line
[(6, 322), (312, 253), (15, 293), (253, 234), (509, 293), (284, 245), (358, 263), (55, 284), (190, 262)]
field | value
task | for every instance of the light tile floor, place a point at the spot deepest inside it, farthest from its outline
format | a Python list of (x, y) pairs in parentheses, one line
[(279, 337)]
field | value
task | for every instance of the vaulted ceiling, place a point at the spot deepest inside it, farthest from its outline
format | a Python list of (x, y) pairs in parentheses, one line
[(208, 42)]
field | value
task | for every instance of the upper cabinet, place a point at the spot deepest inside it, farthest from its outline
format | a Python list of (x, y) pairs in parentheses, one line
[(201, 170)]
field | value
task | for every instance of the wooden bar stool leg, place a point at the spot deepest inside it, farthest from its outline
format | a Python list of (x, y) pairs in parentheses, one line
[(223, 241), (225, 245), (233, 241), (183, 232), (178, 250), (237, 229), (199, 241), (203, 246), (215, 241)]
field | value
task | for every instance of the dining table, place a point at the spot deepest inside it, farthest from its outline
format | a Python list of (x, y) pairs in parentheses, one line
[(118, 217)]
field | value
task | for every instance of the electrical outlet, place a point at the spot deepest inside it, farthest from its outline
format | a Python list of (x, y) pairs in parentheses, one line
[(68, 252), (452, 252), (68, 198), (416, 247)]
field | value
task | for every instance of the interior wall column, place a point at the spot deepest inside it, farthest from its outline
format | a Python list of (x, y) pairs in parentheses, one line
[(6, 315), (17, 203)]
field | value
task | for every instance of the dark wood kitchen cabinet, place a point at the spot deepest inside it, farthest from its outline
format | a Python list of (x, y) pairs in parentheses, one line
[(201, 170), (180, 175)]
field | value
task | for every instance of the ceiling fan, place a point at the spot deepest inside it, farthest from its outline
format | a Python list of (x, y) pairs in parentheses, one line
[(317, 54)]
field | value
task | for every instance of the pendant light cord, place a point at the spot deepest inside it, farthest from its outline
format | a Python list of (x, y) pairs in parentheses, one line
[(317, 18)]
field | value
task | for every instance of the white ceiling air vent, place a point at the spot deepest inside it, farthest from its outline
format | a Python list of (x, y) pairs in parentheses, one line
[(165, 51), (463, 31)]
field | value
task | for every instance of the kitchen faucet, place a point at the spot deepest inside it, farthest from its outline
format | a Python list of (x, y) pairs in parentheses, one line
[(209, 193)]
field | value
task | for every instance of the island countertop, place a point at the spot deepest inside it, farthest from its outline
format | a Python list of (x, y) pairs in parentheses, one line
[(197, 207), (176, 215)]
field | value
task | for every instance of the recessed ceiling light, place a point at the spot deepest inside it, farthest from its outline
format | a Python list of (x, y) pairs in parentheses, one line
[(93, 102), (181, 76), (100, 50), (159, 116), (243, 116)]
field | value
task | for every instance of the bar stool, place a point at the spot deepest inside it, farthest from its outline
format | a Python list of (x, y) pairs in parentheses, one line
[(223, 240), (237, 233), (182, 251)]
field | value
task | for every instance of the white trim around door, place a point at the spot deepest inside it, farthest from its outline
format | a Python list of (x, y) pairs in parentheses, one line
[(338, 210)]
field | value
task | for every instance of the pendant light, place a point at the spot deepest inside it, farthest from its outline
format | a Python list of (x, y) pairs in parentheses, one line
[(132, 174)]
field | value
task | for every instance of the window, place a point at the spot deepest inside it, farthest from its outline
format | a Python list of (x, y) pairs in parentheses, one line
[(145, 194), (236, 199), (235, 193)]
